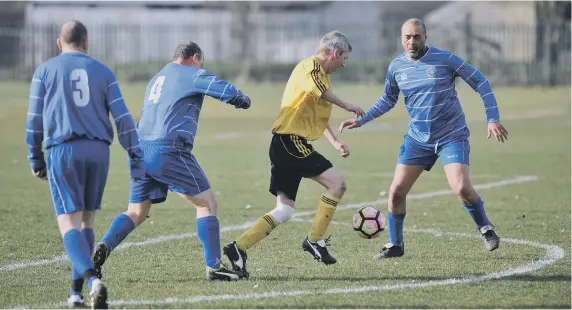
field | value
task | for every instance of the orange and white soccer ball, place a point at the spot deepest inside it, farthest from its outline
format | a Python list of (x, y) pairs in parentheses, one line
[(368, 222)]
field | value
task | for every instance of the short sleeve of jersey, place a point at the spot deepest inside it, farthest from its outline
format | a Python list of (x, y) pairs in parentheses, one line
[(315, 80)]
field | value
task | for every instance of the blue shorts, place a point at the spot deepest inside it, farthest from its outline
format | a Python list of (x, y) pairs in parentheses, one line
[(77, 173), (414, 152), (169, 166)]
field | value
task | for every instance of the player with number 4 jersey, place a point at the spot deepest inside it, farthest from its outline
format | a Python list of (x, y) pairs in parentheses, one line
[(71, 96), (167, 129)]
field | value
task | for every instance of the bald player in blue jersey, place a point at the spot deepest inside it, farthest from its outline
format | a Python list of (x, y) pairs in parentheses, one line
[(71, 96), (425, 75), (167, 130)]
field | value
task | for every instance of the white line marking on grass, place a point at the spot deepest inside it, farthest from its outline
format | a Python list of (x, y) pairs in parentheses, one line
[(125, 245), (553, 253), (26, 264), (516, 180)]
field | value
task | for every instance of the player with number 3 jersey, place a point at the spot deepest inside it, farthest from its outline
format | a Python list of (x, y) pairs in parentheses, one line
[(71, 96)]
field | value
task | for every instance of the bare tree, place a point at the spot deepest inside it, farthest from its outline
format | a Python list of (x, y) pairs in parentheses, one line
[(552, 18), (244, 28)]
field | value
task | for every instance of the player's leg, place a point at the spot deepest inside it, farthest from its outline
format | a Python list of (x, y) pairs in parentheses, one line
[(335, 188), (94, 176), (284, 210), (76, 300), (284, 183), (185, 176), (143, 193), (404, 178), (66, 174), (208, 231), (455, 157), (413, 158)]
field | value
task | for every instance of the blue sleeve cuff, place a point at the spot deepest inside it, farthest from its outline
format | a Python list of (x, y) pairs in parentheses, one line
[(37, 164)]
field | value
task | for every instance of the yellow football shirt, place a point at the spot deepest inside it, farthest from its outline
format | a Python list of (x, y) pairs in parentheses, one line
[(302, 112)]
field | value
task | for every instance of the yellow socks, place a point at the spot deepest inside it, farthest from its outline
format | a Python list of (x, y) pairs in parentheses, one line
[(326, 210), (267, 223), (257, 232)]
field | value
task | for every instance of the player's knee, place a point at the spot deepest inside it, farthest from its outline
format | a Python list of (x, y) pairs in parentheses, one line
[(206, 206), (137, 213), (213, 206), (282, 213), (87, 219), (397, 192), (464, 190), (339, 187)]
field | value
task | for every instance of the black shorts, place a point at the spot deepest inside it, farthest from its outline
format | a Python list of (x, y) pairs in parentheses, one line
[(292, 159)]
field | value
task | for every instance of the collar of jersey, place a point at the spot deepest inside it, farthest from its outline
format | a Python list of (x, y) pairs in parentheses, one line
[(74, 52), (318, 61)]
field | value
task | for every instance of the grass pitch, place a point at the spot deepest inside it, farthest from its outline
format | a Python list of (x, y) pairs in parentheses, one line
[(164, 267)]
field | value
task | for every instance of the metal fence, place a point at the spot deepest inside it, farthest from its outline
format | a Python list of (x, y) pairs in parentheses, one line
[(507, 54)]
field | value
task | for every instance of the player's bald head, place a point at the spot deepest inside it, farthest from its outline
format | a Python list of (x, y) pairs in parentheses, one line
[(73, 33), (414, 22)]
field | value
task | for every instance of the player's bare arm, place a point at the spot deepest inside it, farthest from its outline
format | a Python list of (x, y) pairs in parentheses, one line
[(329, 96), (339, 145)]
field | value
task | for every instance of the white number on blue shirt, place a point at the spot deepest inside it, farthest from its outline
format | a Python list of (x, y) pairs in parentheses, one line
[(155, 92), (80, 87)]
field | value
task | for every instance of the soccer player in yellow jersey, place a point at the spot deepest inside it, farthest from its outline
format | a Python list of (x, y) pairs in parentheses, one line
[(304, 115)]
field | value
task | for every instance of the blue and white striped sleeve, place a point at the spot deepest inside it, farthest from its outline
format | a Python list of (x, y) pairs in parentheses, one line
[(478, 82), (35, 123), (126, 131), (386, 102), (211, 85)]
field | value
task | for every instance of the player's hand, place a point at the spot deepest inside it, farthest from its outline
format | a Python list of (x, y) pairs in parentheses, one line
[(40, 173), (499, 131), (349, 124), (357, 110), (342, 148), (245, 104)]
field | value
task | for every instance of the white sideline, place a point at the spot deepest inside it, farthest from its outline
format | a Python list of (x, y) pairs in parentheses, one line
[(26, 264)]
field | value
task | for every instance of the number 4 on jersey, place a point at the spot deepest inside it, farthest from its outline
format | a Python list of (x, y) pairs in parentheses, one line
[(155, 92)]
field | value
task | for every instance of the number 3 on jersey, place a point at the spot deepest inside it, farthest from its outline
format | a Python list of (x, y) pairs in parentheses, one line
[(155, 92), (80, 87)]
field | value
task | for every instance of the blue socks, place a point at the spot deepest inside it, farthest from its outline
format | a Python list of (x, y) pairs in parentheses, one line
[(477, 212), (77, 278), (78, 252), (395, 222), (121, 227), (209, 234)]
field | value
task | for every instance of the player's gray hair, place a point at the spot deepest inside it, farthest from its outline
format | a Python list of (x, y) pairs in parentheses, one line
[(187, 50), (73, 32), (335, 40)]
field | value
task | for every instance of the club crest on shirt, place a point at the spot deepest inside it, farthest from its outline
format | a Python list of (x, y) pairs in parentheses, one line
[(431, 72), (402, 77)]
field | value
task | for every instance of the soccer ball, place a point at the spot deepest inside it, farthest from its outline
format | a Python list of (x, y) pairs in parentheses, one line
[(368, 222)]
